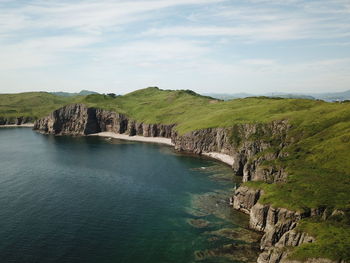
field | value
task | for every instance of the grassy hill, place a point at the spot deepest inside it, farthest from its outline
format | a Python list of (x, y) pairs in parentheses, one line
[(31, 104), (318, 162)]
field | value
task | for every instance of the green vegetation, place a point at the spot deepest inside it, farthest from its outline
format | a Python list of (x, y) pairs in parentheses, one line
[(318, 161), (332, 240), (31, 104)]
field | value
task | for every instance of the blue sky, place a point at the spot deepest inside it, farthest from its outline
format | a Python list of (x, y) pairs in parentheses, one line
[(222, 46)]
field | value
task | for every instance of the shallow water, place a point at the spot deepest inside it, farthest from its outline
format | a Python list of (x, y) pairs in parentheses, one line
[(88, 199)]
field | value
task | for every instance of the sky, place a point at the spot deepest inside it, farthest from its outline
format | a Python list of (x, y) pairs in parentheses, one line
[(209, 46)]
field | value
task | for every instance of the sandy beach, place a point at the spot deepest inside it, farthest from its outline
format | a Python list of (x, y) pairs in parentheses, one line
[(134, 138), (26, 125), (225, 158)]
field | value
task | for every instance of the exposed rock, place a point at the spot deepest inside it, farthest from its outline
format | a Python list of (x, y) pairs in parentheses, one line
[(73, 119), (245, 198), (278, 224), (273, 255), (16, 120), (294, 238), (245, 143), (77, 119)]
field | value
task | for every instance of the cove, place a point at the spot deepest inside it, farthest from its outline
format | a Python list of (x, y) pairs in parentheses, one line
[(88, 199)]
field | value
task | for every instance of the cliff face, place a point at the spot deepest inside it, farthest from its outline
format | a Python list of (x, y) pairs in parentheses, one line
[(279, 225), (16, 121), (77, 119), (250, 145)]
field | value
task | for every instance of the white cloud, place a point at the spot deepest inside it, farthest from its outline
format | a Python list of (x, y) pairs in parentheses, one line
[(39, 52), (270, 32), (196, 44), (86, 16)]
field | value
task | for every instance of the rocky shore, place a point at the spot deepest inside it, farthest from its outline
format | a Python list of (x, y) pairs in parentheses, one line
[(245, 147), (17, 121)]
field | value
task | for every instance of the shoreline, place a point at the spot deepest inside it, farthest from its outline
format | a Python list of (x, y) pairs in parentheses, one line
[(136, 138), (224, 158), (25, 125)]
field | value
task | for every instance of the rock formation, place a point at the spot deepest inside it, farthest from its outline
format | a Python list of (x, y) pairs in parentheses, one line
[(16, 120), (77, 119)]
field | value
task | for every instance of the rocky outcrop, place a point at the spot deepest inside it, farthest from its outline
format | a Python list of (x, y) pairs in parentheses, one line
[(278, 252), (77, 119), (245, 198), (278, 224), (16, 120), (250, 145)]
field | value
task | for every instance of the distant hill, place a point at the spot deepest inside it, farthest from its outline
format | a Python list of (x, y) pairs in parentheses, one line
[(227, 96), (331, 96), (70, 94)]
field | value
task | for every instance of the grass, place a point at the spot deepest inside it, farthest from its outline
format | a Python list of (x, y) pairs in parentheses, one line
[(332, 240), (318, 162), (31, 104)]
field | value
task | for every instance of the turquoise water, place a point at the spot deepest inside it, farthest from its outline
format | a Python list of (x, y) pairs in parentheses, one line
[(88, 199)]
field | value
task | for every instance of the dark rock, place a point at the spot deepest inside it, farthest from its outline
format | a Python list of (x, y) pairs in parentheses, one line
[(245, 198)]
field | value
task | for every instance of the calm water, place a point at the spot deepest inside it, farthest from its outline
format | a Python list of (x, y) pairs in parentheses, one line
[(65, 199)]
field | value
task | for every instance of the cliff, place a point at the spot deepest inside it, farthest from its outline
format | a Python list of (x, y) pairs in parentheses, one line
[(250, 145), (278, 224), (77, 119), (16, 120), (253, 148)]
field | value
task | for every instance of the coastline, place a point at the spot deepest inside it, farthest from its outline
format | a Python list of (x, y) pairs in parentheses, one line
[(136, 138), (225, 158), (26, 125)]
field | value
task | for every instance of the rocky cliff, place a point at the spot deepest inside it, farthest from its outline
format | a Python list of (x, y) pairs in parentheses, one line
[(77, 119), (250, 145), (278, 225), (16, 120)]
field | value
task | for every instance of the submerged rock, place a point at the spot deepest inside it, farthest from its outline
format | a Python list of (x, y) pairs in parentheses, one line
[(232, 252), (198, 223)]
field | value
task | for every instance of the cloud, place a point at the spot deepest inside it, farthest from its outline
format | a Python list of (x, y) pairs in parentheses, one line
[(165, 52), (85, 16), (40, 52), (199, 44), (269, 32)]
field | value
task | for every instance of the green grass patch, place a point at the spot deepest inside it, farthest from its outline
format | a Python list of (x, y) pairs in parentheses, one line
[(332, 240)]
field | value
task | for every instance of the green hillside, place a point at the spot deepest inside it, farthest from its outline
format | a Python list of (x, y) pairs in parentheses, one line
[(31, 104), (318, 162)]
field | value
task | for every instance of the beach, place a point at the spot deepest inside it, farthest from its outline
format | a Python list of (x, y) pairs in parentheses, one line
[(225, 158), (26, 125), (135, 138)]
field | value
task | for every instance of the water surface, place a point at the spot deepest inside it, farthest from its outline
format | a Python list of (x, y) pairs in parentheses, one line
[(88, 199)]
